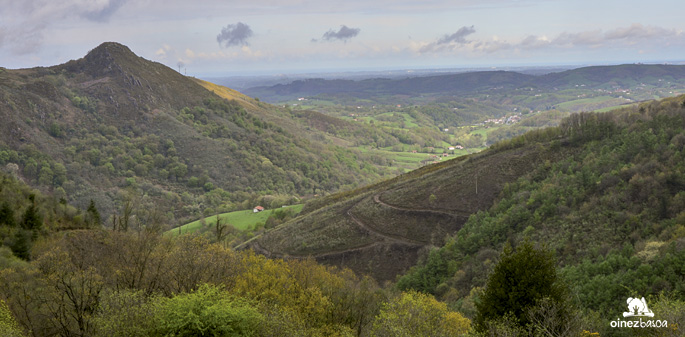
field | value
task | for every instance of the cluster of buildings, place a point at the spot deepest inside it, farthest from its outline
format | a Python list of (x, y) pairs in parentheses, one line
[(504, 120)]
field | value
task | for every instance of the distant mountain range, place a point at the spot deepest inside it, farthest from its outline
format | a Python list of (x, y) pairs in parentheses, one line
[(242, 82), (604, 77)]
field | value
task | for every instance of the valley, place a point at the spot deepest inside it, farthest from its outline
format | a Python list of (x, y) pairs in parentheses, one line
[(437, 114), (144, 191)]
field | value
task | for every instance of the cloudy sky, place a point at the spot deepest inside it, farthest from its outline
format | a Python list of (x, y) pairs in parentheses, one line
[(237, 37)]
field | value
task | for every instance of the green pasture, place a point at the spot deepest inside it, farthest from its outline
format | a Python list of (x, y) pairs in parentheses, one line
[(241, 220), (484, 132)]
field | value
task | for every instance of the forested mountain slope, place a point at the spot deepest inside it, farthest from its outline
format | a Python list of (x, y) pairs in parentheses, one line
[(90, 128), (589, 187), (613, 212)]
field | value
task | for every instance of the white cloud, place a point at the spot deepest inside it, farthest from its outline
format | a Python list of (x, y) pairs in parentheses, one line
[(161, 53), (23, 24), (638, 31), (621, 37), (491, 46), (615, 38), (533, 42), (588, 38)]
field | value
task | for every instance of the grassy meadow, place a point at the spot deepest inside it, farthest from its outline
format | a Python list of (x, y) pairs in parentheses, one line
[(241, 220)]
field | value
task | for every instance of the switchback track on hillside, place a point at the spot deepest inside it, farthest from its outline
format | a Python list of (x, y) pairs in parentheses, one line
[(383, 229), (395, 238), (384, 238), (453, 213), (384, 241)]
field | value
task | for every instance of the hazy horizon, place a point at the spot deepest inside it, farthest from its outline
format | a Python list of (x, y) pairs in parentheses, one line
[(409, 69)]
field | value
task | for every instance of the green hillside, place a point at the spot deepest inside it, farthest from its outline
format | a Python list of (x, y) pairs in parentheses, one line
[(603, 192), (613, 213), (62, 274), (27, 216), (382, 229), (398, 219), (114, 127), (240, 220)]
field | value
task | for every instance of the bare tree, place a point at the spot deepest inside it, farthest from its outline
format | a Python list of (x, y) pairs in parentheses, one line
[(219, 228), (553, 319), (126, 212)]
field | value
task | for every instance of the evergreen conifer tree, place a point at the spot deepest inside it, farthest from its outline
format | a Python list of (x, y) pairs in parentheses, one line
[(21, 245), (7, 215), (93, 215), (522, 278), (31, 219)]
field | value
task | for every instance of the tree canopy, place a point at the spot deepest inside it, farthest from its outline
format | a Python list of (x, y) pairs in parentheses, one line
[(522, 278)]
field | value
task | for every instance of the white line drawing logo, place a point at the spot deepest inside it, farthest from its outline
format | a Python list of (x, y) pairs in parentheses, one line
[(637, 307)]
